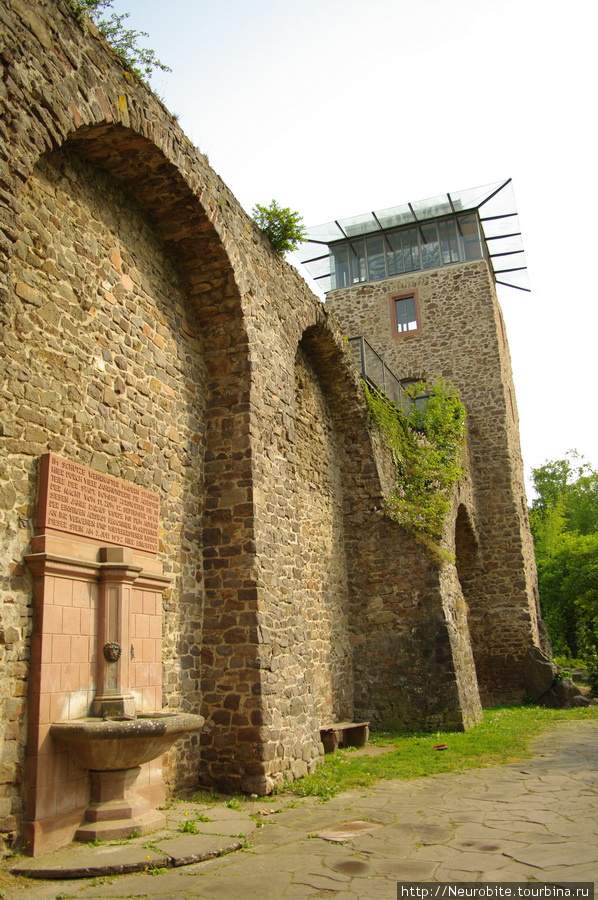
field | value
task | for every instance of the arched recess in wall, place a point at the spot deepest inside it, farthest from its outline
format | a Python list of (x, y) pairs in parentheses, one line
[(331, 445), (466, 549), (126, 310), (317, 486), (469, 571)]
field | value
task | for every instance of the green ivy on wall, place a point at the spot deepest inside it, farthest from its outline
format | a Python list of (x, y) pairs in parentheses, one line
[(426, 448)]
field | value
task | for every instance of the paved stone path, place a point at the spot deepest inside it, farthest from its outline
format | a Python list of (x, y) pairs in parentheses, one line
[(535, 820)]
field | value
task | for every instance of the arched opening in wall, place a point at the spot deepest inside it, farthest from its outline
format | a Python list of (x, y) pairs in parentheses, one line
[(467, 557), (322, 594), (118, 274), (466, 549)]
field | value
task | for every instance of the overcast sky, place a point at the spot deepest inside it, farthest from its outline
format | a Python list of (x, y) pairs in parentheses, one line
[(338, 107)]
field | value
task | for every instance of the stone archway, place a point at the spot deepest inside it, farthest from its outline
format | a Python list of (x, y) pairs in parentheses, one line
[(319, 501), (470, 575), (466, 551), (120, 282)]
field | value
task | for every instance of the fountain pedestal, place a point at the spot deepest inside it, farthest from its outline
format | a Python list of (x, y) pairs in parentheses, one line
[(116, 810)]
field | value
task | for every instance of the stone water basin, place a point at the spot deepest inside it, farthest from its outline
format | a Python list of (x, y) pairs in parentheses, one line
[(107, 745)]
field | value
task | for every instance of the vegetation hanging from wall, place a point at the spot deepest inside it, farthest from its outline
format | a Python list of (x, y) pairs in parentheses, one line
[(125, 41), (426, 447)]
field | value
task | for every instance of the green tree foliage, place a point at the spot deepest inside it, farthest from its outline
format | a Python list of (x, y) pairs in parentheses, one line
[(125, 41), (284, 227), (581, 504), (426, 448), (568, 580), (564, 521)]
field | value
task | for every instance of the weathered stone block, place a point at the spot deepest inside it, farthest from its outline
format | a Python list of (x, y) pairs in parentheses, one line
[(539, 672)]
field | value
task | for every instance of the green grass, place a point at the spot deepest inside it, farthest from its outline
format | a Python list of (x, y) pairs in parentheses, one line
[(570, 662), (503, 736)]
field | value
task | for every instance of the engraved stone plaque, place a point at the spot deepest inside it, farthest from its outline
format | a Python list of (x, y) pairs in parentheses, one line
[(78, 500)]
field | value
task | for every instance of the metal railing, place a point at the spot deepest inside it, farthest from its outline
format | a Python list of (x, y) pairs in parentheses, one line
[(375, 372)]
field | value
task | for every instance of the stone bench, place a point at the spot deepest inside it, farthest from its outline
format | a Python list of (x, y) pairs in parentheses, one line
[(344, 734)]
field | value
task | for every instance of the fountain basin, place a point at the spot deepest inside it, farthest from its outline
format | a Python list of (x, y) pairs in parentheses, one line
[(107, 745)]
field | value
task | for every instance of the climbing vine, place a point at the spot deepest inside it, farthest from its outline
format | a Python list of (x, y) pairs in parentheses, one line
[(426, 450)]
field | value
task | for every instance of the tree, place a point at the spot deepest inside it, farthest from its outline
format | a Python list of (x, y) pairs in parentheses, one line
[(123, 40), (581, 505), (284, 227), (564, 522), (568, 580), (550, 480)]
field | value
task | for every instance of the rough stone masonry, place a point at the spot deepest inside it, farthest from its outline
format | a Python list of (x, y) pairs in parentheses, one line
[(150, 332)]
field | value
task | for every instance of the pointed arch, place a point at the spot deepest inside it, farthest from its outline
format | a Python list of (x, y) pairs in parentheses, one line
[(137, 349)]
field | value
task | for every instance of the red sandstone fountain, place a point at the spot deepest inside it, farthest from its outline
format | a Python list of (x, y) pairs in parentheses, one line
[(95, 740), (116, 742), (114, 750)]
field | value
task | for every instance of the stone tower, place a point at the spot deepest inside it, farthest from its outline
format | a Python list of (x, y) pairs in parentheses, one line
[(417, 282)]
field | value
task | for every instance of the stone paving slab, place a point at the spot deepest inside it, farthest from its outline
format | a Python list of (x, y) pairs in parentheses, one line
[(421, 832), (538, 822), (487, 845), (346, 831), (192, 848), (569, 873), (87, 862), (405, 869), (235, 828), (477, 862), (569, 854), (171, 847)]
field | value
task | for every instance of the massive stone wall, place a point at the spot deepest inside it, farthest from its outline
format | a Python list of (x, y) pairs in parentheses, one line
[(462, 339), (150, 331)]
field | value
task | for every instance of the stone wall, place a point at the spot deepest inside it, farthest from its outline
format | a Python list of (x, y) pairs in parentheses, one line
[(462, 339), (151, 332)]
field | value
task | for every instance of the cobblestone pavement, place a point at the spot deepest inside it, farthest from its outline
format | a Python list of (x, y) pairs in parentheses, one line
[(536, 820)]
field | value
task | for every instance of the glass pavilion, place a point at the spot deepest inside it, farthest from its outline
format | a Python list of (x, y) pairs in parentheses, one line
[(479, 223)]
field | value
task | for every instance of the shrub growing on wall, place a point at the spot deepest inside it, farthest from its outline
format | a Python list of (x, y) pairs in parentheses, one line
[(283, 226), (426, 448), (125, 41)]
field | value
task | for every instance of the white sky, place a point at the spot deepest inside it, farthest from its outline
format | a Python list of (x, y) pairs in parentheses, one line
[(338, 107)]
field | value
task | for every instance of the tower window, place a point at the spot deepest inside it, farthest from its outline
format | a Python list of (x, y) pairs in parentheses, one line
[(405, 316)]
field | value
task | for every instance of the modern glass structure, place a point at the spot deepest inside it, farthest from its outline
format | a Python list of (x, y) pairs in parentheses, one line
[(479, 223)]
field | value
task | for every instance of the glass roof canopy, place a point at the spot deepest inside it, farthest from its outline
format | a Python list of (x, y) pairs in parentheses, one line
[(495, 205)]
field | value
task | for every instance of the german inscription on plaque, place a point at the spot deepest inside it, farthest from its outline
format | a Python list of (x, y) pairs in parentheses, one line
[(81, 501)]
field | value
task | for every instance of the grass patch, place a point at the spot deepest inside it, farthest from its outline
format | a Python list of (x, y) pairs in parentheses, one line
[(502, 737)]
